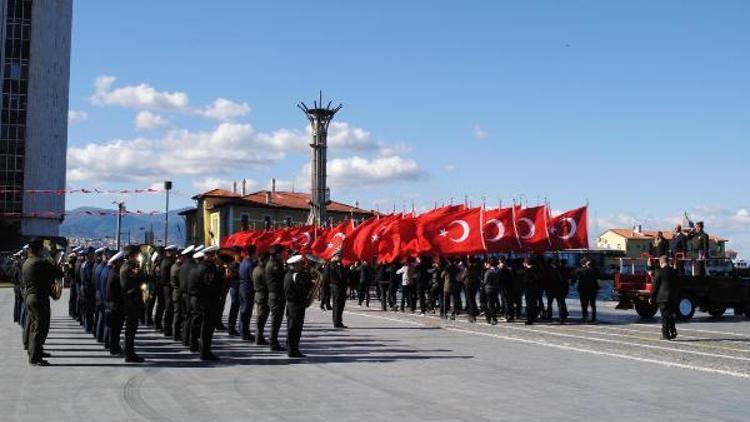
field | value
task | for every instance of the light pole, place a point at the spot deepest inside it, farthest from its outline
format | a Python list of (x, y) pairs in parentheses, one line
[(167, 188), (120, 212)]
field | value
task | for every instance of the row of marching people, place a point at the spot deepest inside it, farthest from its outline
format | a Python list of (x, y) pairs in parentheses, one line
[(110, 296), (493, 287)]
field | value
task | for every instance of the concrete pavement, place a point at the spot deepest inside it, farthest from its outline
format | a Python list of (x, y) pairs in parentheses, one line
[(392, 366)]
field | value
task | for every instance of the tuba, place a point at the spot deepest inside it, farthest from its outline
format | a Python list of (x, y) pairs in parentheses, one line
[(54, 254), (315, 278), (146, 258)]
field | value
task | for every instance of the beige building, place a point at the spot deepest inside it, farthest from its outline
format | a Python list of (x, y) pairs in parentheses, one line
[(635, 242), (220, 213)]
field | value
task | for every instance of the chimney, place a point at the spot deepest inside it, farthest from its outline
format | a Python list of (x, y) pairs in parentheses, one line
[(638, 229), (244, 186), (234, 186), (268, 197), (273, 185)]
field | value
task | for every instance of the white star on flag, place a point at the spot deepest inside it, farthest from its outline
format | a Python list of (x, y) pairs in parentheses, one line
[(443, 233), (375, 238)]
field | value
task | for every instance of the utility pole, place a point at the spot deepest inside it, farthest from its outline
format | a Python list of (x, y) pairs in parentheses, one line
[(120, 212), (167, 188)]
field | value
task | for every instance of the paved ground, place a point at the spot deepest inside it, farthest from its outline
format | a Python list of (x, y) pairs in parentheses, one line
[(393, 366)]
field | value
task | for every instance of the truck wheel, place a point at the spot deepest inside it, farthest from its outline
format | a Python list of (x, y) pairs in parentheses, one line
[(685, 308), (717, 311), (645, 310)]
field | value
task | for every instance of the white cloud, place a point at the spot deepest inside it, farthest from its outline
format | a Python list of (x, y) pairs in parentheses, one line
[(209, 183), (146, 120), (145, 97), (450, 167), (342, 135), (363, 172), (142, 96), (225, 110), (480, 133), (77, 116)]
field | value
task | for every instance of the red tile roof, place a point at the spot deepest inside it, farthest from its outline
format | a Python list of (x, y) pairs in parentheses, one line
[(651, 234), (278, 199)]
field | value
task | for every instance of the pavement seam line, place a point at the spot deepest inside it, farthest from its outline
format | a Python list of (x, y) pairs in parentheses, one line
[(572, 348)]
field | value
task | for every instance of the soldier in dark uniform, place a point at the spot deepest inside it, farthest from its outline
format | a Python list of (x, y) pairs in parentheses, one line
[(700, 245), (364, 271), (471, 277), (185, 270), (261, 298), (38, 276), (115, 306), (297, 285), (70, 278), (506, 281), (165, 313), (436, 285), (337, 276), (131, 279), (205, 287), (16, 276), (451, 289), (384, 281), (424, 263), (159, 302), (178, 303), (234, 296), (100, 272), (88, 291), (664, 293), (153, 284), (532, 290), (588, 286), (274, 276), (246, 292), (557, 290), (77, 285), (490, 285)]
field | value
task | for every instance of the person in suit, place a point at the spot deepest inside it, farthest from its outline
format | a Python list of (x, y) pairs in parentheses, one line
[(490, 286), (588, 287), (664, 293)]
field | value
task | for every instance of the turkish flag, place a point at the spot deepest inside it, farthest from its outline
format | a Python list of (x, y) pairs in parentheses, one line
[(531, 228), (398, 239), (359, 244), (499, 231), (452, 232), (303, 238), (330, 241), (569, 230), (266, 239)]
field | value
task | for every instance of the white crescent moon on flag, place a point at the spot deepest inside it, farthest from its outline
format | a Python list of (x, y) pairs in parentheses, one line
[(466, 230), (500, 229), (532, 228), (573, 228), (307, 238)]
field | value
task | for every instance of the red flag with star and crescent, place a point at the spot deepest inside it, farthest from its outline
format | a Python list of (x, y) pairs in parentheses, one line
[(398, 239), (499, 231), (451, 233), (531, 228), (330, 241), (569, 230)]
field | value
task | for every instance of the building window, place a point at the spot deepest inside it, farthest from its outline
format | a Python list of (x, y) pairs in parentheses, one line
[(288, 221)]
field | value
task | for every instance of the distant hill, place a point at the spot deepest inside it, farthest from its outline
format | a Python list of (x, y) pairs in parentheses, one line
[(98, 227)]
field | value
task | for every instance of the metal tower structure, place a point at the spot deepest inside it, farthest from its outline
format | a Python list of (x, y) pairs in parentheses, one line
[(320, 117)]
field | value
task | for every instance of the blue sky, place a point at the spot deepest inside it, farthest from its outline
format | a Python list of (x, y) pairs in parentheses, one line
[(641, 108)]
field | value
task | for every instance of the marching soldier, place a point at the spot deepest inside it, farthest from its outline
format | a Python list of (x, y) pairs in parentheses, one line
[(165, 276), (101, 301), (588, 286), (38, 276), (234, 295), (246, 293), (297, 284), (17, 277), (336, 275), (205, 287), (131, 280), (183, 276), (115, 306), (275, 281), (178, 300), (70, 277), (261, 298), (88, 292), (490, 285), (532, 290)]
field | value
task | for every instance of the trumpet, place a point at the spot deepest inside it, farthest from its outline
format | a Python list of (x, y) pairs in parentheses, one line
[(146, 264), (54, 254)]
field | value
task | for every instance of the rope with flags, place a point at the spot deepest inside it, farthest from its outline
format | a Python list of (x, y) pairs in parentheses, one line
[(60, 192), (50, 214)]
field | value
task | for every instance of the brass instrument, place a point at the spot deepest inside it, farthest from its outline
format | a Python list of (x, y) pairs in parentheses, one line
[(55, 254), (315, 278), (146, 258)]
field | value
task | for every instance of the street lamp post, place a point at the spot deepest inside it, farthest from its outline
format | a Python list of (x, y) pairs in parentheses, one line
[(167, 188), (120, 212)]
